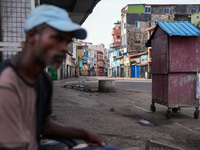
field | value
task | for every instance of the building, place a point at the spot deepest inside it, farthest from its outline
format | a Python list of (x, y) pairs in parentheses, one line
[(92, 59), (116, 34), (136, 18), (114, 61), (100, 59)]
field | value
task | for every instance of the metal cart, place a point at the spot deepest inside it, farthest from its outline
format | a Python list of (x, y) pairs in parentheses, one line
[(175, 61)]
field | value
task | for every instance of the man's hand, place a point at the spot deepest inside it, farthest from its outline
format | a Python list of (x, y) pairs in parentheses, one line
[(55, 129), (93, 139)]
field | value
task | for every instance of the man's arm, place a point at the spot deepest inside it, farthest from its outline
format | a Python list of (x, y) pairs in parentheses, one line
[(51, 127)]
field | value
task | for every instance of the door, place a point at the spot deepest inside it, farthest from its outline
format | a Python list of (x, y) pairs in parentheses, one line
[(142, 71), (133, 71), (138, 71), (53, 73), (117, 71), (122, 72)]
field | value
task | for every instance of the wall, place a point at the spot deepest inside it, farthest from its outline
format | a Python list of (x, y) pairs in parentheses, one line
[(132, 18), (174, 9), (195, 18), (99, 47), (136, 8), (135, 35)]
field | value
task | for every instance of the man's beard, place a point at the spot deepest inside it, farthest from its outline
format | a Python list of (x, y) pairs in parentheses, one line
[(54, 62)]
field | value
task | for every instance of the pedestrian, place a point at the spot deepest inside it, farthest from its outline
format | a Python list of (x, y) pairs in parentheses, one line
[(26, 90)]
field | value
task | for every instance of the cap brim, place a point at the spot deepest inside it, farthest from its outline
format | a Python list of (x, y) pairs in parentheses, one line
[(78, 32)]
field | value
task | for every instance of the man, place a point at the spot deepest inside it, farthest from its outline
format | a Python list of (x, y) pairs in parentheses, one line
[(26, 90)]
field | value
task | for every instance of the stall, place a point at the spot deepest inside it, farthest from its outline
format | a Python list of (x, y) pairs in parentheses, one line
[(175, 62)]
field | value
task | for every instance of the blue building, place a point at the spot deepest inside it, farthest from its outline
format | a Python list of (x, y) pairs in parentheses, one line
[(114, 62)]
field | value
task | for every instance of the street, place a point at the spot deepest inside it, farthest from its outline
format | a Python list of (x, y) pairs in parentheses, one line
[(123, 116)]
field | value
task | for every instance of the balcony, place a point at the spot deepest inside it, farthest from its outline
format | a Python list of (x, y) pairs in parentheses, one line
[(116, 31)]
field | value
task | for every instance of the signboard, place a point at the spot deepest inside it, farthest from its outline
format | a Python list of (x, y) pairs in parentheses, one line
[(74, 51), (80, 53), (80, 50), (126, 60), (117, 63), (144, 57), (89, 60), (80, 63)]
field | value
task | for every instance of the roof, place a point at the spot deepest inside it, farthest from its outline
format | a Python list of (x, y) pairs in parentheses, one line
[(78, 10), (179, 28), (175, 28)]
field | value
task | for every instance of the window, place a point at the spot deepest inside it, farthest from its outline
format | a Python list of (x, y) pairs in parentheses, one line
[(118, 36), (137, 24), (137, 42), (147, 9), (193, 10), (124, 25), (123, 40), (166, 10), (152, 23)]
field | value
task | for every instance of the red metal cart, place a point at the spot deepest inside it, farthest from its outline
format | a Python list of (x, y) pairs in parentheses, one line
[(175, 62)]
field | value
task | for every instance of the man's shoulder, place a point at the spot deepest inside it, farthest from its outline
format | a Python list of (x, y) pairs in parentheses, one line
[(7, 77), (4, 65)]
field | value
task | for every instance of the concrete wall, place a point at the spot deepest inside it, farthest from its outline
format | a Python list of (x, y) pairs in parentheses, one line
[(174, 9), (195, 18), (132, 18), (136, 38)]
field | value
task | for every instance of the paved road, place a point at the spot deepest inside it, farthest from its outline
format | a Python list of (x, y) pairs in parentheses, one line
[(123, 116)]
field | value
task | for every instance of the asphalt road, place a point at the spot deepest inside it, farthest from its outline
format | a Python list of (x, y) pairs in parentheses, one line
[(124, 116)]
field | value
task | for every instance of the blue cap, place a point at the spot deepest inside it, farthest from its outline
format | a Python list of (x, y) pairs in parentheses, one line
[(55, 17)]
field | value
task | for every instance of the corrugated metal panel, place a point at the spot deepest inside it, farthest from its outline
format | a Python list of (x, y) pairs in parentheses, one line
[(179, 28)]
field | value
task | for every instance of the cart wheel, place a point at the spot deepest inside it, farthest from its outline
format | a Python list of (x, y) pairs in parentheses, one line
[(175, 109), (196, 114), (152, 108), (168, 114)]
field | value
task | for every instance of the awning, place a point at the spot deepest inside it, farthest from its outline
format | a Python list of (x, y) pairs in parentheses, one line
[(78, 10), (119, 57), (133, 55)]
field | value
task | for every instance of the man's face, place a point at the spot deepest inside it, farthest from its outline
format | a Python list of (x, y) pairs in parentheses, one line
[(51, 47)]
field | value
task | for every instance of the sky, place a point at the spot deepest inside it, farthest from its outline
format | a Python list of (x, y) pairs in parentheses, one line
[(100, 22)]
